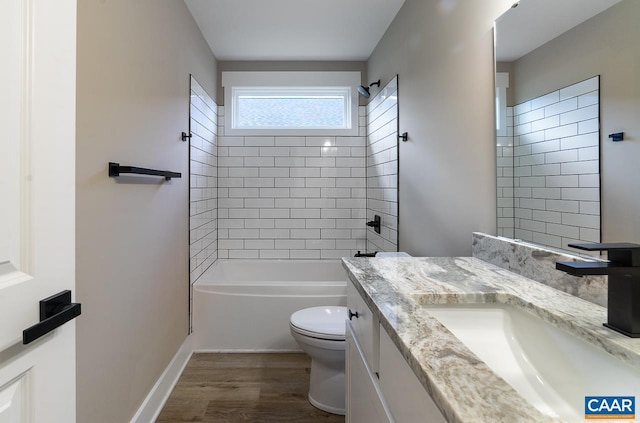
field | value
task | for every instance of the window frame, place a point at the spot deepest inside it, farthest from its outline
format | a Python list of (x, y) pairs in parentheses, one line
[(285, 83)]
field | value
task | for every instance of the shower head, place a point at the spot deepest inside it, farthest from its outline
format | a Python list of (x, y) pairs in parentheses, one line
[(364, 91)]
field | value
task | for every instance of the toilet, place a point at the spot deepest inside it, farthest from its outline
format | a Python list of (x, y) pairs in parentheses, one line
[(320, 332)]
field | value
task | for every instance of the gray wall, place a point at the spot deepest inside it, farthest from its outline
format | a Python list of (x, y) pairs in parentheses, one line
[(606, 45), (443, 53), (134, 60)]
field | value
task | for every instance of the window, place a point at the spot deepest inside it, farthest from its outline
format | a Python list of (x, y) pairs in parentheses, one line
[(290, 108), (276, 103)]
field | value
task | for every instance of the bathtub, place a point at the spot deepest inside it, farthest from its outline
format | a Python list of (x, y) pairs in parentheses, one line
[(244, 305)]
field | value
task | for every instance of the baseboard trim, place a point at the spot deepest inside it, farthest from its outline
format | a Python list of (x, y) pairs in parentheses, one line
[(155, 400), (257, 351)]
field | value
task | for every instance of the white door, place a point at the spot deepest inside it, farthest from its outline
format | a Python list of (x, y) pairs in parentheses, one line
[(37, 205)]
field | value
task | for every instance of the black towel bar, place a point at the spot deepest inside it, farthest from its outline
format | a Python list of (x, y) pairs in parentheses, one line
[(115, 170)]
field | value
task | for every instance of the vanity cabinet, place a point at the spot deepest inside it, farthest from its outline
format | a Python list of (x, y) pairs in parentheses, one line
[(380, 385), (365, 403), (406, 398), (366, 327)]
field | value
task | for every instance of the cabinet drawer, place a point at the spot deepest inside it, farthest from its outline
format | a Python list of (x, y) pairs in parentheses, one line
[(406, 398), (366, 327)]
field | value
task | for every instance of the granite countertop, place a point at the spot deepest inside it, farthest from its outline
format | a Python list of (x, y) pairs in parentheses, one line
[(463, 387)]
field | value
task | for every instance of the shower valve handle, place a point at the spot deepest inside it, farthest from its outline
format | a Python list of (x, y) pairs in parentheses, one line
[(352, 314)]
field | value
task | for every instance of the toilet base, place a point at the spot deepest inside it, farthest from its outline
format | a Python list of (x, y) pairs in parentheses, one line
[(328, 409), (326, 385), (327, 352)]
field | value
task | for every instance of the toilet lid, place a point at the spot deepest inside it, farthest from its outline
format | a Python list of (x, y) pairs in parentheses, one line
[(326, 321)]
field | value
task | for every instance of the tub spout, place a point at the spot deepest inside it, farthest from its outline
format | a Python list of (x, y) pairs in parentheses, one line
[(623, 294)]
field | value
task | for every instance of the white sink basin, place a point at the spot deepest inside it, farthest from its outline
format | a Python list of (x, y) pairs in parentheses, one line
[(549, 367)]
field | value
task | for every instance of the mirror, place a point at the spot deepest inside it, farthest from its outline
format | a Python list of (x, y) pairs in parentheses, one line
[(549, 57)]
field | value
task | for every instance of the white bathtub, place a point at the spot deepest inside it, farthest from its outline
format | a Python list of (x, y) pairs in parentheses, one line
[(244, 305)]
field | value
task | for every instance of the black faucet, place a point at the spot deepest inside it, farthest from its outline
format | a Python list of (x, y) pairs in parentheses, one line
[(623, 271)]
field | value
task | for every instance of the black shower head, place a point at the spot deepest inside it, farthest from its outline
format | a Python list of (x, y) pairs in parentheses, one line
[(364, 91)]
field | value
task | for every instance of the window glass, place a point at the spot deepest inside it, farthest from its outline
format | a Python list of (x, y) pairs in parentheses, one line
[(291, 108), (290, 111)]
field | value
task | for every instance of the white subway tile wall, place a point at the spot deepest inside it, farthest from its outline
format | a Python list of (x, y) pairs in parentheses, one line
[(382, 168), (556, 161), (203, 185), (505, 174), (291, 197)]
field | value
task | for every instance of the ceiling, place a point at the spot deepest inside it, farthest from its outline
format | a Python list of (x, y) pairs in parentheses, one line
[(535, 22), (293, 29)]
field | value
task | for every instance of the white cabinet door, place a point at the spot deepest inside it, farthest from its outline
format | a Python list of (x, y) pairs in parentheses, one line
[(406, 398), (364, 404), (365, 325), (37, 205)]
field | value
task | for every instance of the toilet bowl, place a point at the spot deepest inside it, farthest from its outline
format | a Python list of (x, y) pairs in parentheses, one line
[(320, 333)]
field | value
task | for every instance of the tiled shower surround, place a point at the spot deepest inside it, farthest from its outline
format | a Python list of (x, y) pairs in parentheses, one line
[(203, 185), (504, 167), (382, 167), (291, 197), (555, 157)]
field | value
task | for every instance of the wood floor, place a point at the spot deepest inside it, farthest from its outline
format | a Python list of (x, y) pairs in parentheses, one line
[(229, 388)]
